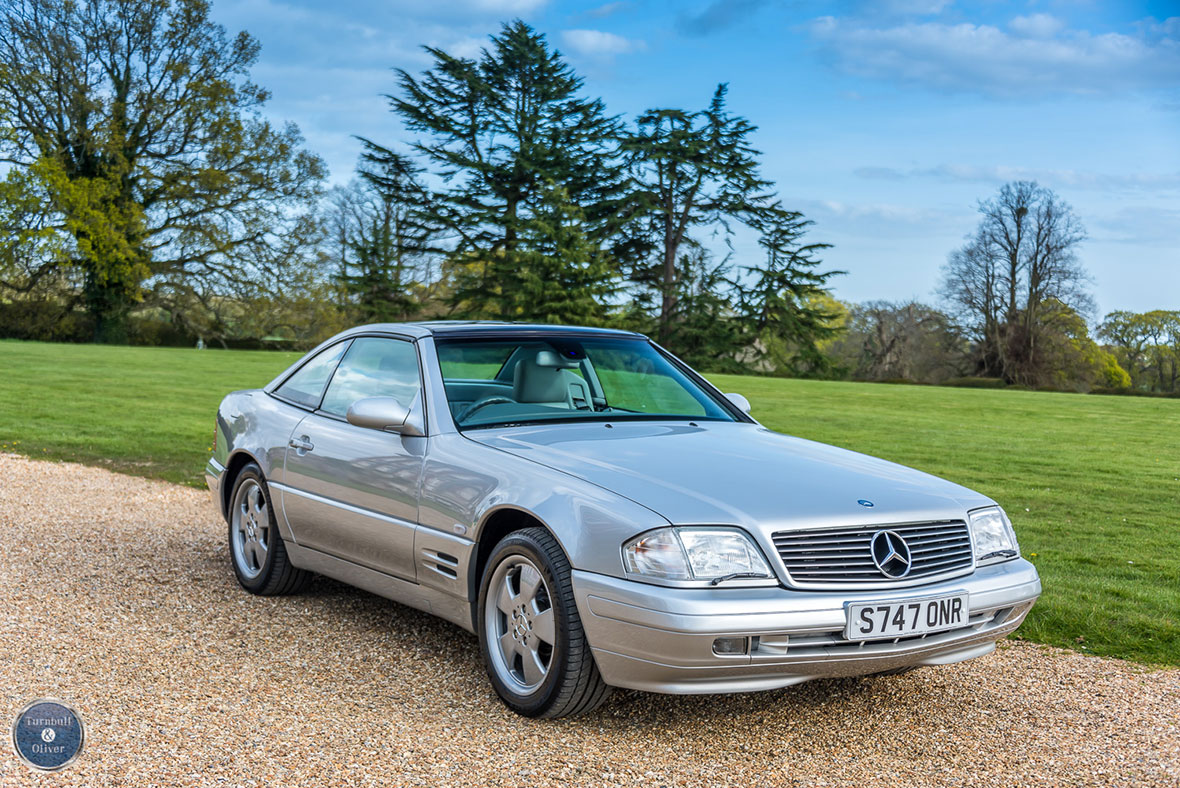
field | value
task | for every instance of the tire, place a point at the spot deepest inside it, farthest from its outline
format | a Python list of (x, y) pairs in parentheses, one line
[(256, 549), (541, 625)]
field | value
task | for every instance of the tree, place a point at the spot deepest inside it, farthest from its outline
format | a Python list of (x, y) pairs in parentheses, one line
[(1147, 345), (1022, 256), (555, 274), (703, 326), (901, 341), (501, 131), (1072, 360), (31, 244), (381, 233), (692, 170), (779, 308), (141, 131)]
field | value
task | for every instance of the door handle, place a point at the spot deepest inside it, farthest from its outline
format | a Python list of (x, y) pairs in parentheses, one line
[(301, 444)]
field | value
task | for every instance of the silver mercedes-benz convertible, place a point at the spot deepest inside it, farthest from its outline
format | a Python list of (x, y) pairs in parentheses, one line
[(600, 516)]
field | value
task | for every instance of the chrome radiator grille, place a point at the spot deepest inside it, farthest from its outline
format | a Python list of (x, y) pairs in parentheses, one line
[(842, 557)]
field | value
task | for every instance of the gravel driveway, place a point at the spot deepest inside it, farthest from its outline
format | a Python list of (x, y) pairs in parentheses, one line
[(116, 594)]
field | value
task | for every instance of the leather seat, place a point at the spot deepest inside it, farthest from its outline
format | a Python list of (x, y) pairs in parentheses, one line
[(548, 379)]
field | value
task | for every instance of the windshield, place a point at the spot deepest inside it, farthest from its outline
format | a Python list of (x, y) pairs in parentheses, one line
[(497, 382)]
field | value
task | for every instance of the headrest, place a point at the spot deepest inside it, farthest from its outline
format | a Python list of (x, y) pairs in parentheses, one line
[(547, 358), (534, 382)]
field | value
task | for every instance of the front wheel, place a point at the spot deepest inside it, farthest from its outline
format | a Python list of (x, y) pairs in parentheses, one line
[(531, 636)]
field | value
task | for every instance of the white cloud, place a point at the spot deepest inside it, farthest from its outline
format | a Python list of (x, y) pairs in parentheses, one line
[(886, 212), (504, 7), (599, 43), (468, 47), (1036, 26), (1151, 225), (1037, 56), (606, 10), (998, 173), (907, 7)]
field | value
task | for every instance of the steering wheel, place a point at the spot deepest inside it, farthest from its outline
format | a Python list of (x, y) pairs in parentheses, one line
[(473, 407)]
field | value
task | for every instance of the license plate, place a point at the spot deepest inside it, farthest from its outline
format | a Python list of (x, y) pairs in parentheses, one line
[(905, 617)]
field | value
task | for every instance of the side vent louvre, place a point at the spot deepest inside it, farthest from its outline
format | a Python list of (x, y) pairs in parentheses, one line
[(445, 564)]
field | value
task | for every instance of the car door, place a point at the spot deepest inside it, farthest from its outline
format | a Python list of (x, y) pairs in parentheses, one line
[(350, 491)]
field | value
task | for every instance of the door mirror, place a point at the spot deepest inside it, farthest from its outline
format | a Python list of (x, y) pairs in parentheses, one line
[(381, 413), (742, 403)]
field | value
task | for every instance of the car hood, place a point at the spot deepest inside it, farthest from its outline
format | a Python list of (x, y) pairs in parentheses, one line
[(736, 473)]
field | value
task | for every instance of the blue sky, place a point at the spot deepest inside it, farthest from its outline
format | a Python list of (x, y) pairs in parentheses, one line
[(884, 122)]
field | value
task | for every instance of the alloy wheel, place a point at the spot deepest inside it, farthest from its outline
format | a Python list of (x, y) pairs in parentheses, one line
[(519, 624), (251, 529)]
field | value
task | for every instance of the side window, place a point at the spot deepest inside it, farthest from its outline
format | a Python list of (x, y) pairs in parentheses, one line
[(373, 367), (474, 361), (306, 386)]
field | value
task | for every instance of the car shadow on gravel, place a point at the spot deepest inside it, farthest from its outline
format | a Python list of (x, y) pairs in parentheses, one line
[(449, 657)]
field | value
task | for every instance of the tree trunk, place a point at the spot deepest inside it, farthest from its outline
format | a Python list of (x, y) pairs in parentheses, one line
[(673, 233), (668, 288), (109, 307)]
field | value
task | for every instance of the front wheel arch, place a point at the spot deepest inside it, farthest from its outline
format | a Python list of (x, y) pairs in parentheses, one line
[(495, 526)]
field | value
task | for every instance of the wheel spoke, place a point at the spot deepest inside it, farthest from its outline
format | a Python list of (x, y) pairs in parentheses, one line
[(257, 553), (508, 647), (544, 628), (256, 501), (530, 579), (534, 671), (505, 598)]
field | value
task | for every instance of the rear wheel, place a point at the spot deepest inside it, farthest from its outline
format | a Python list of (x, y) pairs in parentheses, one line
[(531, 636), (256, 549)]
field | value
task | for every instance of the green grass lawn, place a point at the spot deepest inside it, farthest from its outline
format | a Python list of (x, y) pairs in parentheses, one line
[(1092, 483), (146, 411)]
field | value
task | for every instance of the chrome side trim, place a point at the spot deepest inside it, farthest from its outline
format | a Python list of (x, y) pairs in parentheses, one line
[(429, 600), (342, 505)]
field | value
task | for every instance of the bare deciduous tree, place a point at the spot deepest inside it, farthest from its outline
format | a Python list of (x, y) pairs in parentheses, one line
[(900, 341), (1022, 256)]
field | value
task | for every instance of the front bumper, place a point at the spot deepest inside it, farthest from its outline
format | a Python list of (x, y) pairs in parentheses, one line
[(660, 639)]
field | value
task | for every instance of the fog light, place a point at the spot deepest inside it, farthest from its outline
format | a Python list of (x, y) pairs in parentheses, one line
[(729, 646)]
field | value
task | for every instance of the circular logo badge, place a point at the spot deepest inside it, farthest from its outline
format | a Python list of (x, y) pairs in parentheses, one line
[(48, 734)]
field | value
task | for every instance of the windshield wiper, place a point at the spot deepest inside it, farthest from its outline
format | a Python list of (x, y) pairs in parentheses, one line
[(737, 576)]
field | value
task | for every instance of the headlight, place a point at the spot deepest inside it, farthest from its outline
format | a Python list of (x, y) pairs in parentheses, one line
[(709, 554), (993, 535)]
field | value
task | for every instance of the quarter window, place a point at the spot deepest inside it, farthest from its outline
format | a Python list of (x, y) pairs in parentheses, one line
[(306, 386), (373, 367)]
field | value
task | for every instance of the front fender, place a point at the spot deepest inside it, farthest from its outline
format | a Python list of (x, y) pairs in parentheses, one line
[(465, 483)]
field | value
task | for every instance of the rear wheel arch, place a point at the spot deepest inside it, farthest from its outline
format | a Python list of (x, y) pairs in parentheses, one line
[(233, 466), (257, 553)]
